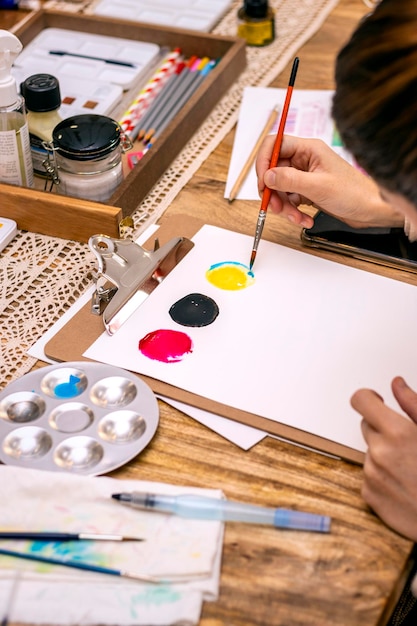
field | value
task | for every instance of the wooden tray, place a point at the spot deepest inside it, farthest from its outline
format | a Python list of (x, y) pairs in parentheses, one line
[(71, 218)]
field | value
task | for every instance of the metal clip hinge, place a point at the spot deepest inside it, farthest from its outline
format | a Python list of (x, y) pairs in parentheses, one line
[(133, 273)]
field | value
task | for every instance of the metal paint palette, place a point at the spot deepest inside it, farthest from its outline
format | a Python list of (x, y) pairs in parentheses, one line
[(80, 417)]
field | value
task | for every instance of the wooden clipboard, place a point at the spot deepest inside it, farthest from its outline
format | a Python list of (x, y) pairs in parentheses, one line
[(84, 328)]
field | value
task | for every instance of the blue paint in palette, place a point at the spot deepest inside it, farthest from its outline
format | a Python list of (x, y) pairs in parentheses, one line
[(68, 389)]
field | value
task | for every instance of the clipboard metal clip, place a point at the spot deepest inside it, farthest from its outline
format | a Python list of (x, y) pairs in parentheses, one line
[(127, 274)]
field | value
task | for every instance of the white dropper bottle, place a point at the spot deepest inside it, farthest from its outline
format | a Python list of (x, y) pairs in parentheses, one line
[(15, 158)]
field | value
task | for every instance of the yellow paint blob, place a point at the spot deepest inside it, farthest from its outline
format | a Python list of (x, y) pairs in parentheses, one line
[(230, 276)]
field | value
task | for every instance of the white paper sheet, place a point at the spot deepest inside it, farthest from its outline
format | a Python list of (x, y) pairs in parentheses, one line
[(240, 434), (309, 116), (292, 347)]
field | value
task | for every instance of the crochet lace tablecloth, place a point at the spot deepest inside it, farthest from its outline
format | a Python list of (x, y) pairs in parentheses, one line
[(40, 277)]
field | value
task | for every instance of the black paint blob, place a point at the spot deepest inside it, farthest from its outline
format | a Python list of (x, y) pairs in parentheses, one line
[(194, 310)]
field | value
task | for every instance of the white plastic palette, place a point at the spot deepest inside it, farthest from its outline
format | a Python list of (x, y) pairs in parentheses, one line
[(199, 15), (79, 417), (101, 58)]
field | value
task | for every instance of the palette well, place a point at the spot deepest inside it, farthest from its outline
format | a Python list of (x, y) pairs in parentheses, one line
[(190, 14), (79, 417)]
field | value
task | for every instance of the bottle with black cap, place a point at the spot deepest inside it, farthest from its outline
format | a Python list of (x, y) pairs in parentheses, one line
[(256, 23), (43, 99)]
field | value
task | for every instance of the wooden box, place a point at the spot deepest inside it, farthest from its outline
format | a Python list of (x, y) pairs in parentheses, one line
[(71, 218)]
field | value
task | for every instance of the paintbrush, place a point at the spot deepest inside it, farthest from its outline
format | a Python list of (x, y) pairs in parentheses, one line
[(90, 567), (274, 160), (53, 536)]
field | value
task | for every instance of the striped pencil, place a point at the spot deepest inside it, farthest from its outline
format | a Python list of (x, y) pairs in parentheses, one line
[(182, 87), (169, 60), (149, 91), (164, 96)]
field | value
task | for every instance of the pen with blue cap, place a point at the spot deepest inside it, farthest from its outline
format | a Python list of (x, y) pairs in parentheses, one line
[(205, 508)]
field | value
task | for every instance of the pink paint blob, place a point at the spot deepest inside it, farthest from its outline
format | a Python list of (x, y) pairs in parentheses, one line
[(168, 346)]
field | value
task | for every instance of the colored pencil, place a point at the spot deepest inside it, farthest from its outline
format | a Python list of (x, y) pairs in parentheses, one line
[(184, 84), (89, 567), (166, 94), (274, 160), (251, 158), (56, 536), (167, 115), (149, 91)]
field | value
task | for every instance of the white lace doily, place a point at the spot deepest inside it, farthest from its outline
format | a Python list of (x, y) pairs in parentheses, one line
[(40, 277)]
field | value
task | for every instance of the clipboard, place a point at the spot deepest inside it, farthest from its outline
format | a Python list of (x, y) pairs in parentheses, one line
[(84, 328)]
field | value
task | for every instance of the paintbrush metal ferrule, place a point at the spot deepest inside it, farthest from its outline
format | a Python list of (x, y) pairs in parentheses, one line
[(258, 234)]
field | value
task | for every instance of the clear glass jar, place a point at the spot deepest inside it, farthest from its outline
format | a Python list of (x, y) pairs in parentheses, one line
[(87, 153)]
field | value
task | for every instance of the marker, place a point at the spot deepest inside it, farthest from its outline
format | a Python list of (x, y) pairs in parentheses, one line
[(204, 508)]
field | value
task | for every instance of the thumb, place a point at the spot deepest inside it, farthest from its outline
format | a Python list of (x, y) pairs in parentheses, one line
[(405, 396)]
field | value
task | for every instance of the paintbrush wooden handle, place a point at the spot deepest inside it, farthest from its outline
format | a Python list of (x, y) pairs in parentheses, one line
[(280, 133)]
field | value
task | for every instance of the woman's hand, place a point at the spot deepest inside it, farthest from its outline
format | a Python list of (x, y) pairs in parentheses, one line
[(310, 173), (390, 469)]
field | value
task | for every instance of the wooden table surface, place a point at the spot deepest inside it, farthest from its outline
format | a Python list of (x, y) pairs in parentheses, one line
[(269, 577)]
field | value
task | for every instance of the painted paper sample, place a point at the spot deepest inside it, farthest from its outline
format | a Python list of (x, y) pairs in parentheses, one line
[(185, 551), (292, 347)]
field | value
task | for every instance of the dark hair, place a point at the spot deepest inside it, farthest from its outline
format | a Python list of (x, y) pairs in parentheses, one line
[(375, 102)]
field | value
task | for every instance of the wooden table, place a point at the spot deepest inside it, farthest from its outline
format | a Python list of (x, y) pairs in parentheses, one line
[(269, 577)]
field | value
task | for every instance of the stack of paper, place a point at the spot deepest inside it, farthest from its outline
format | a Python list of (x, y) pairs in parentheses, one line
[(184, 554)]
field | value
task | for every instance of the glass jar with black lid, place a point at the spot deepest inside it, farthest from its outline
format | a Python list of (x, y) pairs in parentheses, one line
[(87, 160)]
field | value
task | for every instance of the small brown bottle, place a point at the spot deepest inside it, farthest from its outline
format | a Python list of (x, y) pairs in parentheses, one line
[(256, 23)]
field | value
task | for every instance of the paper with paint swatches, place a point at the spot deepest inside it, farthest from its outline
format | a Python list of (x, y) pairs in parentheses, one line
[(291, 347)]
